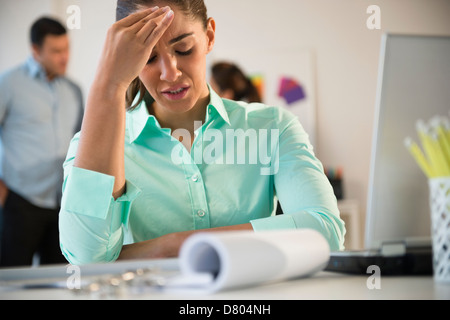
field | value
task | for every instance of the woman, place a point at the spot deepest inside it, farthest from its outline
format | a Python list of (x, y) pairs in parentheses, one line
[(231, 83), (180, 159)]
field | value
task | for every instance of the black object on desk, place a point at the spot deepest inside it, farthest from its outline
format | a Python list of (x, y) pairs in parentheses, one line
[(414, 261)]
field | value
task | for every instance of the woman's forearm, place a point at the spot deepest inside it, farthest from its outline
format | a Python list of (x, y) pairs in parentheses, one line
[(169, 245), (101, 146)]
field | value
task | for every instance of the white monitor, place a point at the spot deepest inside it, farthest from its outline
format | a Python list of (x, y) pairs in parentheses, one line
[(414, 83)]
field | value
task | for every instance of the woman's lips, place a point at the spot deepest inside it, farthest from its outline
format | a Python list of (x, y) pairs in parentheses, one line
[(175, 93)]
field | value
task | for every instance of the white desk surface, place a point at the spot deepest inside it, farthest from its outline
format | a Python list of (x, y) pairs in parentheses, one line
[(324, 285)]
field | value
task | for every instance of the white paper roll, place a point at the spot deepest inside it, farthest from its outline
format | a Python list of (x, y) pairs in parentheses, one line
[(245, 258)]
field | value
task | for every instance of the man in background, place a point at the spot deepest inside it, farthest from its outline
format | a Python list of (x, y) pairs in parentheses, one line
[(40, 111)]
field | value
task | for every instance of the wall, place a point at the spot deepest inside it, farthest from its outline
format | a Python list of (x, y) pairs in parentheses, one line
[(15, 17), (345, 51)]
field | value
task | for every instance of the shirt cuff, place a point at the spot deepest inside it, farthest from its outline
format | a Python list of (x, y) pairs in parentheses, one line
[(131, 193), (274, 223), (89, 193)]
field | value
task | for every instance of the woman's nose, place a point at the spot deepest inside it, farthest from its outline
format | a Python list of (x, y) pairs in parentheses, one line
[(169, 69)]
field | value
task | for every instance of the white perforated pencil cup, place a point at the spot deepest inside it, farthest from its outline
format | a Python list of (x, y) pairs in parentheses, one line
[(440, 227), (434, 161)]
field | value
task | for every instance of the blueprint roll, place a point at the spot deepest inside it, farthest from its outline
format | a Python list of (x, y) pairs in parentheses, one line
[(248, 258)]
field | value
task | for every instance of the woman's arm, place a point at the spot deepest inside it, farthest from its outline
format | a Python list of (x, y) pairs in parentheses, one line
[(90, 219), (168, 245), (304, 192), (128, 46)]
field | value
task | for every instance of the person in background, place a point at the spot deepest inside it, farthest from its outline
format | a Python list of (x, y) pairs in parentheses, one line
[(40, 111), (231, 83)]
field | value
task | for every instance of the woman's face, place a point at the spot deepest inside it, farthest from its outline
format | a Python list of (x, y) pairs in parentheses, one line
[(175, 74)]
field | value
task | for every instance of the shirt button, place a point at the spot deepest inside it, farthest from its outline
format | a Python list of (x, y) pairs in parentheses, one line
[(201, 213), (195, 178)]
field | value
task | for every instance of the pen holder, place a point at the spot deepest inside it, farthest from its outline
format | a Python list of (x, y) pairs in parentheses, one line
[(440, 227), (337, 188)]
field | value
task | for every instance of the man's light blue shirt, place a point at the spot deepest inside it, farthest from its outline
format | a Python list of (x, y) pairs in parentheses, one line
[(243, 158), (38, 119)]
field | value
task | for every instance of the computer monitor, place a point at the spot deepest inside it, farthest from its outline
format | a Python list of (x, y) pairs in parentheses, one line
[(414, 83)]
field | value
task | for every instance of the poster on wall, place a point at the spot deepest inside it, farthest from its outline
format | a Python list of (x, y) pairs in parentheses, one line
[(284, 78)]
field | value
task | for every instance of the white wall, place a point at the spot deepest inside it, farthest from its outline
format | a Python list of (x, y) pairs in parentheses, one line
[(15, 21), (16, 17), (346, 54)]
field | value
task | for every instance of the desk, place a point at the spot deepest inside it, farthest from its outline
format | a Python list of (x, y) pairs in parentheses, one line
[(323, 285)]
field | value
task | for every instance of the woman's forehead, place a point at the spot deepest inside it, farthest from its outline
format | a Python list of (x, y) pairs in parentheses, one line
[(182, 25)]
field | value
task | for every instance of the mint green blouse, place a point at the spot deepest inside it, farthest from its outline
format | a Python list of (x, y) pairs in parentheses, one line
[(243, 158)]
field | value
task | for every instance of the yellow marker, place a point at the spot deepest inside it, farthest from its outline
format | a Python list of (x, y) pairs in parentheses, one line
[(439, 126), (447, 129), (427, 144), (435, 139), (419, 157), (442, 168)]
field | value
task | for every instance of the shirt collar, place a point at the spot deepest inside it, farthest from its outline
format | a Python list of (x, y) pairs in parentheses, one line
[(34, 68), (139, 117), (216, 103)]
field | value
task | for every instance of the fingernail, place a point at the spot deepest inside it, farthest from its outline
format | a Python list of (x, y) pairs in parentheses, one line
[(169, 14), (155, 9), (165, 9)]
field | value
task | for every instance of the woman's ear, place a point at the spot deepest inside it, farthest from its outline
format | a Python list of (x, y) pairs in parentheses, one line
[(210, 34)]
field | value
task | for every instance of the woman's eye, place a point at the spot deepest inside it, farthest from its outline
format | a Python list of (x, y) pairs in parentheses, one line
[(181, 53), (185, 53)]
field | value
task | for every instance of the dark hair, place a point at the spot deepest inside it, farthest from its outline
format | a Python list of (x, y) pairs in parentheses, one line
[(228, 76), (194, 9), (43, 27)]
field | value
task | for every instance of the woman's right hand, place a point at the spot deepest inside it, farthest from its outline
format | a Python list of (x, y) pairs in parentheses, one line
[(129, 44)]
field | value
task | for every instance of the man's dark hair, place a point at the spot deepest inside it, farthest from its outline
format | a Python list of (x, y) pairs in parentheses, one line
[(43, 27)]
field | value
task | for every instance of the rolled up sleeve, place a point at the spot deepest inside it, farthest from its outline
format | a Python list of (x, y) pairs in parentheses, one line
[(87, 193), (91, 221)]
